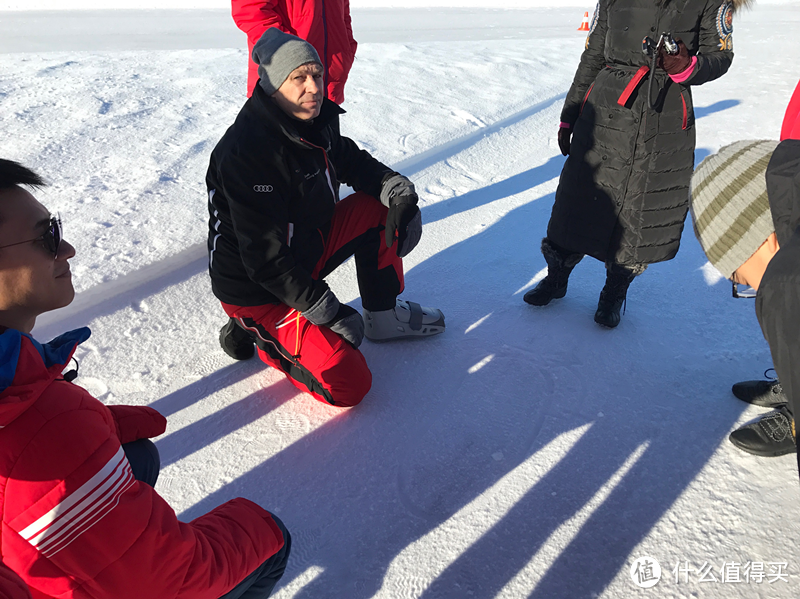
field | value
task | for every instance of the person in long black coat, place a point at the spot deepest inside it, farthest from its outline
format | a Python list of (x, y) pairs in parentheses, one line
[(628, 130)]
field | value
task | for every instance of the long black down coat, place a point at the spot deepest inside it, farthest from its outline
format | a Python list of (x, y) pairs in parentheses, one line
[(624, 190)]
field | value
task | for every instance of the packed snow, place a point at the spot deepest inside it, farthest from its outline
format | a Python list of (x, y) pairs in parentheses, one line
[(524, 453)]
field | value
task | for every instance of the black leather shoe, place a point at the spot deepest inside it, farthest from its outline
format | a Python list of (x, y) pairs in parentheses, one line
[(236, 342), (768, 394), (771, 436)]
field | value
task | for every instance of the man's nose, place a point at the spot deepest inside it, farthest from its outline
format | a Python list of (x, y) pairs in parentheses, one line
[(65, 250), (313, 86)]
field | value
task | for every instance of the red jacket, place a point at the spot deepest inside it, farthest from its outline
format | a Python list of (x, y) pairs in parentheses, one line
[(11, 587), (325, 24), (75, 523), (791, 121)]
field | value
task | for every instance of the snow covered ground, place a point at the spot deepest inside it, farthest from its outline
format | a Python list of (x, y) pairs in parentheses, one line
[(524, 453)]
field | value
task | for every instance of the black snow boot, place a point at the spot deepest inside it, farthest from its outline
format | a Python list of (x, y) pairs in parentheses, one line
[(768, 394), (560, 263), (769, 437), (612, 297), (236, 342)]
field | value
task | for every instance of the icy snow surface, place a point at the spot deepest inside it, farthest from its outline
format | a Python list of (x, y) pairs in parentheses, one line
[(524, 453)]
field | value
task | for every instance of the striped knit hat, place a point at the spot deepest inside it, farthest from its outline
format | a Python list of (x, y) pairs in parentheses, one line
[(729, 203)]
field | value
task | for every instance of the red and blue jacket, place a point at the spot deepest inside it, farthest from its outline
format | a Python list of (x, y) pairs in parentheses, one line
[(325, 24), (75, 522)]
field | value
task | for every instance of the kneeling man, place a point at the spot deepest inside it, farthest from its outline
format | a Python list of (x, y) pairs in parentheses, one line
[(277, 228)]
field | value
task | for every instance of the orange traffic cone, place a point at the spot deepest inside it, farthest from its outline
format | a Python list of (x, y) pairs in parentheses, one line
[(585, 24)]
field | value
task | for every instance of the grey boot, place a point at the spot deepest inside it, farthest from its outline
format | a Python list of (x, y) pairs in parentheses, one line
[(612, 297), (560, 263)]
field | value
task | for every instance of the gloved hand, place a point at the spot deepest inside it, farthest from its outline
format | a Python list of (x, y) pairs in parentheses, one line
[(404, 221), (349, 324), (674, 64), (395, 188), (340, 318), (564, 138)]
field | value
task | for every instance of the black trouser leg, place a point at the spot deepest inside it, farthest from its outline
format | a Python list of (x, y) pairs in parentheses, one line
[(260, 583), (144, 460)]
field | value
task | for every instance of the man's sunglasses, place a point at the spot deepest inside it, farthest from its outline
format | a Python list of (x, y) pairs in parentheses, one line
[(51, 238)]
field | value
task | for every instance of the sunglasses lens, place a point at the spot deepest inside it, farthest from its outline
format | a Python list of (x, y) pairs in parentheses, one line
[(52, 237), (745, 291)]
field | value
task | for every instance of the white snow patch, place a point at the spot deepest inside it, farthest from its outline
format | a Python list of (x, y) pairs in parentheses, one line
[(710, 274), (536, 278), (478, 323), (481, 364)]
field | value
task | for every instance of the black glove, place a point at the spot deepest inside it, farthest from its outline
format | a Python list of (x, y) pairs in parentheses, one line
[(349, 324), (396, 188), (564, 137), (674, 64), (340, 318), (404, 221)]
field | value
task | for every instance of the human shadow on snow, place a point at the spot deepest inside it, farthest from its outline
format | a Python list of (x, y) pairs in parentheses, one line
[(362, 488)]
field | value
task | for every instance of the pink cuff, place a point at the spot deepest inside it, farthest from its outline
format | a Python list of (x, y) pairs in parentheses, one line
[(681, 77), (564, 125)]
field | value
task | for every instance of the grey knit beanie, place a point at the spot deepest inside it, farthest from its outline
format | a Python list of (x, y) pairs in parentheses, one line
[(277, 54), (729, 203)]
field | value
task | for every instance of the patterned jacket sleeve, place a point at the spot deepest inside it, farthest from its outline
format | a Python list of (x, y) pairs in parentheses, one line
[(84, 527), (592, 62), (715, 51)]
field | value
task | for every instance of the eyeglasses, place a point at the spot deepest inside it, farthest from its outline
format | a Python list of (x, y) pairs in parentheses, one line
[(51, 239), (741, 291)]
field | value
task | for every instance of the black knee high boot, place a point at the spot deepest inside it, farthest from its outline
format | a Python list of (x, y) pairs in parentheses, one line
[(612, 297), (560, 263)]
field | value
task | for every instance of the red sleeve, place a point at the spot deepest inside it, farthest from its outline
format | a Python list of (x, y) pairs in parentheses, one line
[(791, 121), (349, 24), (11, 586), (81, 525), (254, 17), (137, 422)]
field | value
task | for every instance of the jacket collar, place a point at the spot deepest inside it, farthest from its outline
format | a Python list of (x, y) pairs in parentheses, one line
[(268, 112), (27, 367)]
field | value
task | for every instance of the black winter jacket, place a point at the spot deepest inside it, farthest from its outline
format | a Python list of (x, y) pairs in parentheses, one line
[(273, 182), (778, 299), (623, 194)]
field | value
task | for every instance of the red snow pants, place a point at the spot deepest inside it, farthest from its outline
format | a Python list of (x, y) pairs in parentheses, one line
[(316, 359)]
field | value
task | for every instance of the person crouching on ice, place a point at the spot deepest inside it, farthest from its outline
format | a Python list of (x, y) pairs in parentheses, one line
[(277, 228), (80, 517)]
